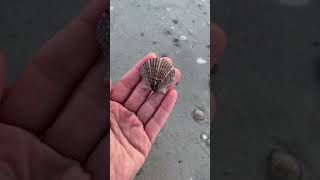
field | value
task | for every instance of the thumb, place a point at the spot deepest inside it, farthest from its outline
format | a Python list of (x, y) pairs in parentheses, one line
[(2, 74)]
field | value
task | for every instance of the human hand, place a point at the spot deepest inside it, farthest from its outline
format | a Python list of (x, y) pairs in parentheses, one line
[(135, 120), (53, 122)]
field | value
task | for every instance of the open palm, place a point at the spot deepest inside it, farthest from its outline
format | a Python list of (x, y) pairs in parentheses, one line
[(136, 118)]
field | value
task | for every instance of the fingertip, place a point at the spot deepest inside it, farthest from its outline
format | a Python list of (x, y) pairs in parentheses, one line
[(91, 13), (178, 74), (152, 55), (178, 77), (173, 94)]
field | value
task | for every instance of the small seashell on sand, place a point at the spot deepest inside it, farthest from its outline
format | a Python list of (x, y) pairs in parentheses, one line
[(158, 74), (198, 114)]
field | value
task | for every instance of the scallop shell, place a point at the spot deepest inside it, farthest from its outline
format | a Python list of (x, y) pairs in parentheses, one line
[(158, 74)]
